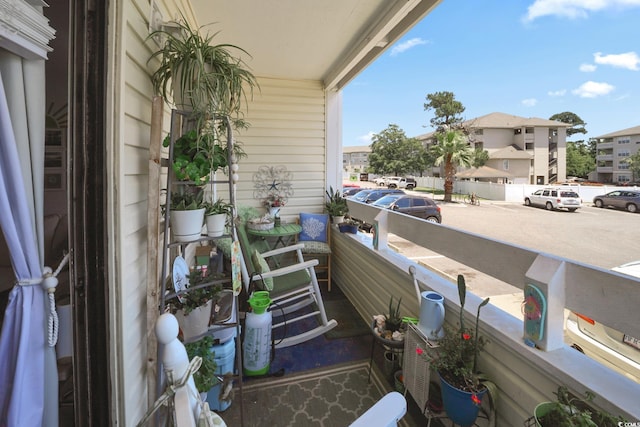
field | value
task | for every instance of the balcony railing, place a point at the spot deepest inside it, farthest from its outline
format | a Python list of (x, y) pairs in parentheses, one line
[(524, 375)]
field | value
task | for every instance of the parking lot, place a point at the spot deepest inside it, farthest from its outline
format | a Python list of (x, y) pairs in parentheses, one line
[(601, 237)]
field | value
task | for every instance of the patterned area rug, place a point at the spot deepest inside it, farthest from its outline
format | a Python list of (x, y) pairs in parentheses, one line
[(333, 396)]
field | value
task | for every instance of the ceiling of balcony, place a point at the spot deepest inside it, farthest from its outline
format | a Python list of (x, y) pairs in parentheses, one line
[(326, 40)]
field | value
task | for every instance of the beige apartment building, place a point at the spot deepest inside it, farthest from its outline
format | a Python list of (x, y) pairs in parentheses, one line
[(355, 159), (521, 150), (612, 149)]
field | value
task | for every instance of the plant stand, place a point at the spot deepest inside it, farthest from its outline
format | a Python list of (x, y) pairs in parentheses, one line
[(395, 348)]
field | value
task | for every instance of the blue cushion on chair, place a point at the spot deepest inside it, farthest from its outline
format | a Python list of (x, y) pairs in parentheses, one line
[(314, 227)]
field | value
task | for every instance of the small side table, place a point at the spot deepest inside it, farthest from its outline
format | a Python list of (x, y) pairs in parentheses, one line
[(395, 346)]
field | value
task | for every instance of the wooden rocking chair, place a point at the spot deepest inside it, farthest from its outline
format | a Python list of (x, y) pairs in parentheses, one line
[(291, 288)]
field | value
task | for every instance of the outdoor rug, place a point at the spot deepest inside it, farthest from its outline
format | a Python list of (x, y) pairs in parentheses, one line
[(350, 323), (333, 396)]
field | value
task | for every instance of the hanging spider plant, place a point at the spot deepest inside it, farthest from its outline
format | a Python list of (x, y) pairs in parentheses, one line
[(200, 76)]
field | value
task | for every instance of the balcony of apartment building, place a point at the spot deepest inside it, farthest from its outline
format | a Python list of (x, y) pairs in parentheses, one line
[(608, 144), (604, 154), (525, 375)]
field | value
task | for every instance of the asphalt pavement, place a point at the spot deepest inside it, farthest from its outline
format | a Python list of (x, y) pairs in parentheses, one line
[(601, 237)]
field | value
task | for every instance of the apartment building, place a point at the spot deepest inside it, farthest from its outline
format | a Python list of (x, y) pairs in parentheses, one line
[(612, 149), (521, 150), (355, 159)]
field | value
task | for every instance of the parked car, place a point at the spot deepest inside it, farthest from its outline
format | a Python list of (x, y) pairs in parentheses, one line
[(418, 206), (376, 194), (350, 191), (554, 198), (610, 347), (381, 181), (361, 195), (620, 199), (395, 182)]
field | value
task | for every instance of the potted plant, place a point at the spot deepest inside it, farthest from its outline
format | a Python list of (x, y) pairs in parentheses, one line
[(274, 202), (216, 215), (569, 410), (196, 156), (187, 213), (199, 75), (349, 225), (336, 205), (192, 307), (463, 386), (204, 378)]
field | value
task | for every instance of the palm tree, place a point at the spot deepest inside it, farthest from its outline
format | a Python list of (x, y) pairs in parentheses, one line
[(453, 150)]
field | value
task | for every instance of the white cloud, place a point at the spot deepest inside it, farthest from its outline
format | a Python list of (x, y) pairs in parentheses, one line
[(629, 60), (529, 102), (587, 68), (593, 89), (366, 139), (560, 92), (404, 46), (574, 9)]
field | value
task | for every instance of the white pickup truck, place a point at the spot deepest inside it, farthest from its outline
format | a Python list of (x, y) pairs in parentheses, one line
[(398, 182)]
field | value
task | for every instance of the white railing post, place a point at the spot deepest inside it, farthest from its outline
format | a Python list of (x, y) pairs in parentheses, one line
[(548, 274), (380, 230)]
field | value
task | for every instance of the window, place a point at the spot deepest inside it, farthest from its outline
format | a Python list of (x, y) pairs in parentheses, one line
[(419, 202), (403, 203), (623, 165), (625, 140), (479, 131), (505, 164), (517, 131), (623, 153), (528, 130)]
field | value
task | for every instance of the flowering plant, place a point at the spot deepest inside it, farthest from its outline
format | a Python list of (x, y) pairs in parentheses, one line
[(457, 355), (275, 200)]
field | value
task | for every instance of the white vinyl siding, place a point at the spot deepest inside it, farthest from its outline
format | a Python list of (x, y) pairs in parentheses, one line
[(287, 129)]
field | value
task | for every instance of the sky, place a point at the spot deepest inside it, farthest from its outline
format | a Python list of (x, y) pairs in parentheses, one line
[(529, 58)]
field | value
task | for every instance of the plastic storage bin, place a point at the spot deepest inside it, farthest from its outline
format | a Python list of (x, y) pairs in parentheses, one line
[(224, 357)]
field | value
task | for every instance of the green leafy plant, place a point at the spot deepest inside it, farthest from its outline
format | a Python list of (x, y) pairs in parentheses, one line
[(572, 411), (217, 207), (205, 377), (393, 320), (208, 76), (195, 156), (457, 358), (189, 199), (195, 296), (336, 205)]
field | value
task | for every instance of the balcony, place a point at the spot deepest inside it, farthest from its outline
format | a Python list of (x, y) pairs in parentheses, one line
[(524, 375), (604, 145), (604, 157)]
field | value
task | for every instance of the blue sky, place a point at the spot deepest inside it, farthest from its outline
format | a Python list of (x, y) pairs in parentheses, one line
[(529, 58)]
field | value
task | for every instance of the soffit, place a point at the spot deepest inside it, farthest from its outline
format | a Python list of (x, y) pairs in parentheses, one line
[(328, 40)]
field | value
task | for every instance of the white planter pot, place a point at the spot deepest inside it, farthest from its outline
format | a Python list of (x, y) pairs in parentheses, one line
[(187, 225), (337, 219), (215, 224), (196, 322)]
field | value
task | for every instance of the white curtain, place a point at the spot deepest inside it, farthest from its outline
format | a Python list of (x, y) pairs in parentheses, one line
[(28, 373)]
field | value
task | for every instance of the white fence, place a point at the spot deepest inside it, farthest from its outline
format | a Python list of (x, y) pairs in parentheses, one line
[(513, 192)]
